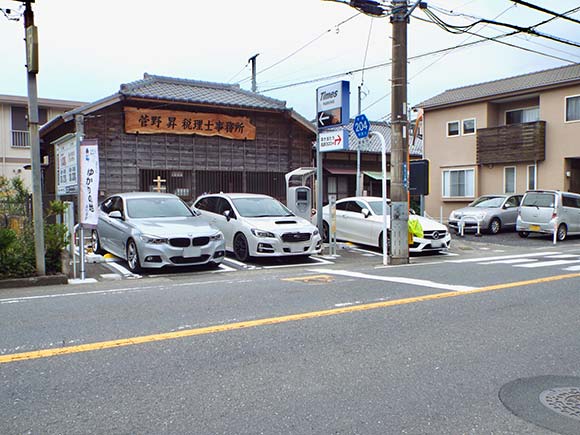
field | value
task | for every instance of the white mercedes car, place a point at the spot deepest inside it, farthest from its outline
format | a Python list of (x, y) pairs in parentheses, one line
[(258, 226), (360, 220)]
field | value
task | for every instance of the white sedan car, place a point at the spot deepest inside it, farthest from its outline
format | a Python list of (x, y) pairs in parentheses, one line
[(360, 220), (258, 226)]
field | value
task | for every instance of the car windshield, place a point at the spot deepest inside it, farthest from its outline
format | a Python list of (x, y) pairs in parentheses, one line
[(377, 207), (487, 202), (142, 208), (261, 207), (539, 200)]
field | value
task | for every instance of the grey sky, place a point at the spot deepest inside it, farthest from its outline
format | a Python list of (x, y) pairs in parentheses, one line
[(88, 48)]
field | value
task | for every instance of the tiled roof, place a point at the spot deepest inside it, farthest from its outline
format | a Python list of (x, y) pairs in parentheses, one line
[(508, 86), (373, 144), (199, 92)]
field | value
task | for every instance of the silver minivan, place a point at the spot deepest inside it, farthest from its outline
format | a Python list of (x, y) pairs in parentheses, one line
[(546, 211)]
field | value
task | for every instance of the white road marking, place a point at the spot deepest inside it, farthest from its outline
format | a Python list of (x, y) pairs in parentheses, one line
[(239, 263), (223, 268), (125, 272), (512, 261), (319, 260), (502, 257), (547, 263), (562, 256), (365, 251), (573, 268), (400, 280)]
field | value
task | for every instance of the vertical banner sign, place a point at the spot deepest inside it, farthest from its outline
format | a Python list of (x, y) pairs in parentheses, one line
[(89, 178)]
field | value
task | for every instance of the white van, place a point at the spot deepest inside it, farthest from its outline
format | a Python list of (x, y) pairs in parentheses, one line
[(546, 211)]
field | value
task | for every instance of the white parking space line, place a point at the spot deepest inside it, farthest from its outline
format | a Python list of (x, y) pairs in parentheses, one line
[(573, 268), (125, 272), (238, 263), (319, 260), (502, 257), (223, 268), (562, 256), (547, 263), (364, 251), (397, 279), (512, 261)]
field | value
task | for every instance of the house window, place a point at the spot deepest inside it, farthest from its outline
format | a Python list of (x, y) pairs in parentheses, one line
[(453, 128), (509, 179), (573, 108), (19, 117), (469, 126), (458, 183), (531, 177), (519, 116)]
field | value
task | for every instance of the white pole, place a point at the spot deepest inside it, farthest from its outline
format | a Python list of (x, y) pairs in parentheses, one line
[(384, 185)]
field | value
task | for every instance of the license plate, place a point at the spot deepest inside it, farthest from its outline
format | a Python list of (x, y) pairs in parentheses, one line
[(436, 243), (534, 228), (191, 252)]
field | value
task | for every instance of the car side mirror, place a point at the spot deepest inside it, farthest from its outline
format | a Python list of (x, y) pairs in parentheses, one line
[(366, 212), (227, 214), (116, 215)]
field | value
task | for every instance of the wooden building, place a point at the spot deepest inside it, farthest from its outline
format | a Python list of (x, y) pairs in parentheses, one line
[(187, 137)]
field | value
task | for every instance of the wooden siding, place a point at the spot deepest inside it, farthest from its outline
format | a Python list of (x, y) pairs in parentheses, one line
[(512, 143), (281, 145)]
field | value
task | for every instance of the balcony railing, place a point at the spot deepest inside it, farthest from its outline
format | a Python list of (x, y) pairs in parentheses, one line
[(20, 139), (512, 143)]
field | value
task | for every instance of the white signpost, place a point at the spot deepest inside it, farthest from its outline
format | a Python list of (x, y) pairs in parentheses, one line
[(89, 177), (333, 140), (65, 152)]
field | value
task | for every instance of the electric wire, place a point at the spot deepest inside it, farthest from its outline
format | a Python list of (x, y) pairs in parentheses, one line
[(547, 11), (301, 48)]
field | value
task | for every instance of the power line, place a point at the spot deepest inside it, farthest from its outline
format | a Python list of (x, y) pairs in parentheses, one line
[(303, 47), (519, 29), (547, 11)]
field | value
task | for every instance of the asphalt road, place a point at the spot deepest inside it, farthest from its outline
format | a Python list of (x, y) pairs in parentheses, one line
[(340, 348)]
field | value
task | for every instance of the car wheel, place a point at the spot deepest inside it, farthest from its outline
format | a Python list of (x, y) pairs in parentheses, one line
[(96, 242), (523, 234), (325, 232), (562, 232), (388, 242), (133, 257), (241, 249), (494, 226)]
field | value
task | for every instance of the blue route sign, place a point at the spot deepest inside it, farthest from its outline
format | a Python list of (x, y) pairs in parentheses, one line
[(361, 126)]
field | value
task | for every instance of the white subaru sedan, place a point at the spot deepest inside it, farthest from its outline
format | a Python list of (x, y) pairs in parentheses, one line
[(360, 220), (258, 225)]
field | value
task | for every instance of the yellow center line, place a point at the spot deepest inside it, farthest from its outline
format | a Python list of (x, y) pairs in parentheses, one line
[(44, 353)]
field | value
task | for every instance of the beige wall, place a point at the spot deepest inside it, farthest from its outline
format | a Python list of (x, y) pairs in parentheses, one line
[(13, 159), (562, 141), (449, 152), (562, 138)]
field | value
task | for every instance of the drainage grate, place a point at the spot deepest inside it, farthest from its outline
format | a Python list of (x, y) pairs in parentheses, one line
[(564, 401)]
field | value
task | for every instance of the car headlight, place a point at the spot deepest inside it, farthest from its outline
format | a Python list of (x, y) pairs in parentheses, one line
[(154, 240), (261, 233), (315, 232), (480, 215), (216, 236)]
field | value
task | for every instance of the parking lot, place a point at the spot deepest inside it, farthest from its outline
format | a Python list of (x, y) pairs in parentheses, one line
[(348, 255)]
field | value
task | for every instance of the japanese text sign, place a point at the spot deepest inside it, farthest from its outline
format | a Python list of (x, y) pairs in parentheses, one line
[(152, 121), (89, 178)]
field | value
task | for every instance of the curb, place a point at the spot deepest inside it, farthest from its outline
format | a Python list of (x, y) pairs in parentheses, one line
[(34, 281)]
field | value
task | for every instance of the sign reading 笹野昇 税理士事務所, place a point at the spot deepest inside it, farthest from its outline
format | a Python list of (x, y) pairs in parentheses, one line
[(152, 121)]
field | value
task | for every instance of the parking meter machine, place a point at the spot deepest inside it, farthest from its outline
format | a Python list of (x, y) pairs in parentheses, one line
[(299, 201)]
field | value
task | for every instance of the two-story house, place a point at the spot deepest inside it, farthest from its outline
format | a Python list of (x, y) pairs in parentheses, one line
[(504, 136), (14, 138)]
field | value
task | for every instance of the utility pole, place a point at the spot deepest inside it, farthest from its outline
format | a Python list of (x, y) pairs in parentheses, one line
[(399, 136), (253, 61), (359, 143), (31, 38)]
